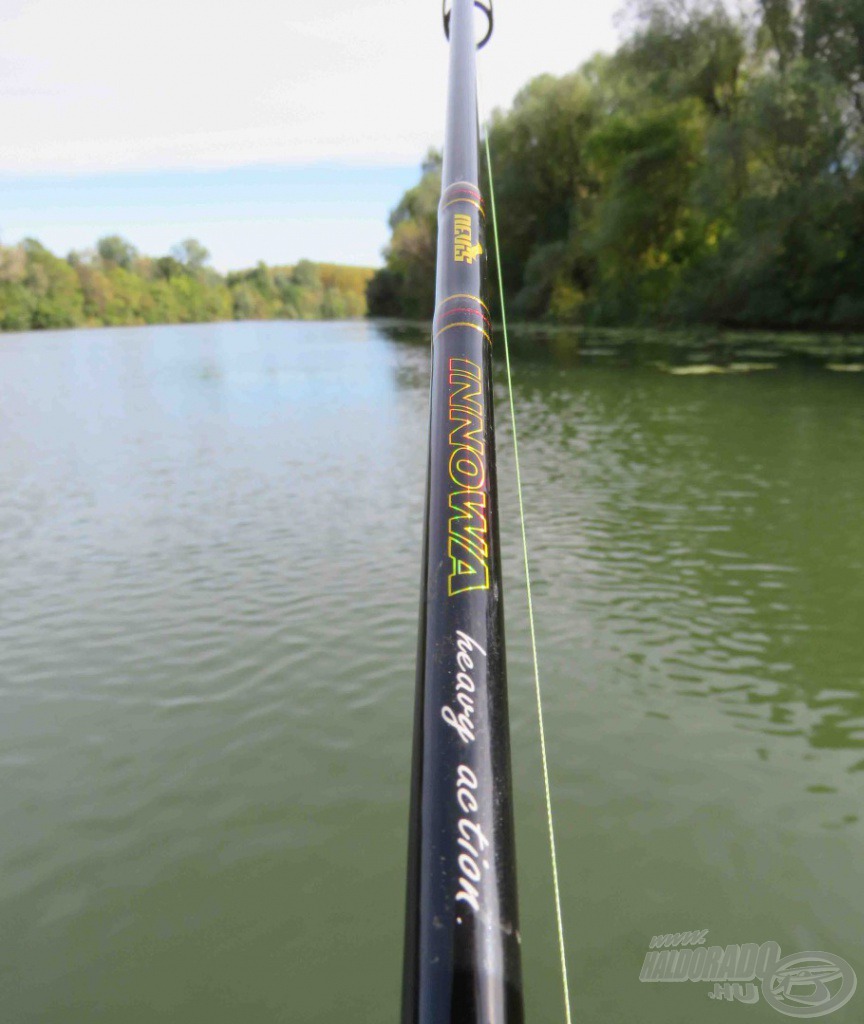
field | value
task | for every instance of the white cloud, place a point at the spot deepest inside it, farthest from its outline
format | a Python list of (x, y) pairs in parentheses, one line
[(100, 85)]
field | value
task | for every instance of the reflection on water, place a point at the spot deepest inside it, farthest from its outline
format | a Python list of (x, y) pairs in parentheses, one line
[(695, 351), (209, 547)]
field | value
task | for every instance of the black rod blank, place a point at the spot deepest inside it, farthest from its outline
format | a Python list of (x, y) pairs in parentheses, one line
[(462, 958)]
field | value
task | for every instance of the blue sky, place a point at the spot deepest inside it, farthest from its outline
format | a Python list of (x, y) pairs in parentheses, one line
[(326, 212), (268, 129)]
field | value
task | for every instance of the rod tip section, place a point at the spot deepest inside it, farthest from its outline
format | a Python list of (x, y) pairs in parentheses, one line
[(485, 7)]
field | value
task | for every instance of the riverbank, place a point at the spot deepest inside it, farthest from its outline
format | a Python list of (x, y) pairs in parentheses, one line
[(113, 285)]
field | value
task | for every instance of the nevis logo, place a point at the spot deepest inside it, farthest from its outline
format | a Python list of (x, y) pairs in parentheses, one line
[(464, 250)]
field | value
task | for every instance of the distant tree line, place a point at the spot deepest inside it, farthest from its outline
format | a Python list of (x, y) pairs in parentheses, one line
[(115, 284), (711, 170)]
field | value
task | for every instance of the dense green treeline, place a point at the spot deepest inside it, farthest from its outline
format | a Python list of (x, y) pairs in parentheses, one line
[(114, 284), (711, 170)]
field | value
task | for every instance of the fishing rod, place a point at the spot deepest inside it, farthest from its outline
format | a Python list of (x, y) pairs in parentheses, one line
[(462, 959)]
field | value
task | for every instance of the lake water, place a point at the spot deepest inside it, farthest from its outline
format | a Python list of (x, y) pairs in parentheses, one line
[(209, 555)]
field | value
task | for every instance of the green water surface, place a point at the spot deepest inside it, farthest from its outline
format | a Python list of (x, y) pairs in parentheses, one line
[(209, 556)]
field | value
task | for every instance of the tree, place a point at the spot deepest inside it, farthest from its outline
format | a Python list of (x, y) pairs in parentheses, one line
[(544, 186), (779, 30), (191, 254), (409, 271), (681, 49), (117, 250), (306, 275), (833, 36), (643, 228), (167, 267)]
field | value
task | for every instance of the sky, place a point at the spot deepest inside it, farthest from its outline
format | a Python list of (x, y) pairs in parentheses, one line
[(268, 129)]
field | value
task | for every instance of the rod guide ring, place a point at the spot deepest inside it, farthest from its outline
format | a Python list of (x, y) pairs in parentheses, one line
[(484, 5)]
